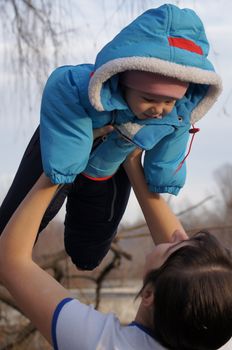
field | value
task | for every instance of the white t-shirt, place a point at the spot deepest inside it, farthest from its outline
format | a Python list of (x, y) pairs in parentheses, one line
[(77, 326)]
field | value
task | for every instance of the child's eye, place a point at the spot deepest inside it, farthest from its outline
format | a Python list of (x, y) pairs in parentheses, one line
[(170, 102), (148, 99)]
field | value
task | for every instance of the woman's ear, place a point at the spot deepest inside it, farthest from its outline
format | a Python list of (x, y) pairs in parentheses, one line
[(148, 296)]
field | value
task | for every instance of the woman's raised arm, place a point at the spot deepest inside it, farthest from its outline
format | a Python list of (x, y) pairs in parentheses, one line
[(34, 290), (161, 221)]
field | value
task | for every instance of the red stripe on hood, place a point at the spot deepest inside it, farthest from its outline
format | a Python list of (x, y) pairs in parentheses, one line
[(185, 44)]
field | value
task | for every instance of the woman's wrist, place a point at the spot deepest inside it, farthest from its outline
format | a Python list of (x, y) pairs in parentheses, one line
[(133, 159)]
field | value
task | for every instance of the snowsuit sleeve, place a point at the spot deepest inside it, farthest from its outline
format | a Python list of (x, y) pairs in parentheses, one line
[(65, 128), (162, 161)]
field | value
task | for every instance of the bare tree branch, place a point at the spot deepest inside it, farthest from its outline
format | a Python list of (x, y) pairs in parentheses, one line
[(20, 337), (195, 206)]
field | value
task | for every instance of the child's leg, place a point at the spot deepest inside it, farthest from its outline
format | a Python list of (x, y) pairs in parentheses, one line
[(94, 210), (28, 172)]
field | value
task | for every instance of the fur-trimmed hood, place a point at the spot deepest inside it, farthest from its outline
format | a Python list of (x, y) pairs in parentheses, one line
[(78, 99), (167, 40)]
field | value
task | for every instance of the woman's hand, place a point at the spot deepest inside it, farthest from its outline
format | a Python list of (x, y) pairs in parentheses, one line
[(102, 131)]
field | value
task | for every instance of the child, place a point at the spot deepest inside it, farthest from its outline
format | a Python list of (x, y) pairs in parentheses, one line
[(151, 82)]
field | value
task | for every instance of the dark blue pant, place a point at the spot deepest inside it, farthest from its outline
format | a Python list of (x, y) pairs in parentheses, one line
[(93, 211)]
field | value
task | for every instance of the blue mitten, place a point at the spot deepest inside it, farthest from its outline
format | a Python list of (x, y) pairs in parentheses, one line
[(145, 136), (111, 153), (107, 157)]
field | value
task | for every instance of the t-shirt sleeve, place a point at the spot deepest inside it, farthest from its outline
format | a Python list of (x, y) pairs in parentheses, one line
[(76, 326)]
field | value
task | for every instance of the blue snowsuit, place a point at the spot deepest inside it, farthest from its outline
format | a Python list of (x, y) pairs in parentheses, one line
[(76, 99)]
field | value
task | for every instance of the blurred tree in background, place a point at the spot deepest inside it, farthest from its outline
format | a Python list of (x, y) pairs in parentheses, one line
[(35, 28)]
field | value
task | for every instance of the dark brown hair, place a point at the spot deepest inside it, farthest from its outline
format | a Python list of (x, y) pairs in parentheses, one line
[(193, 296)]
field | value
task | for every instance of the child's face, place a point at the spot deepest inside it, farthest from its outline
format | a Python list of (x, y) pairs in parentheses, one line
[(148, 106)]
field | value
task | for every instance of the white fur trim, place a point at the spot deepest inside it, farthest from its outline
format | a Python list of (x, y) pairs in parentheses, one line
[(129, 129), (155, 65)]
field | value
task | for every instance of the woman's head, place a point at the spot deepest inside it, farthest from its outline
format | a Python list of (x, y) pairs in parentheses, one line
[(193, 295)]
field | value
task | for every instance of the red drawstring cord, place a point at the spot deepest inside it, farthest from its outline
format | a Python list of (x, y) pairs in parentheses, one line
[(192, 131)]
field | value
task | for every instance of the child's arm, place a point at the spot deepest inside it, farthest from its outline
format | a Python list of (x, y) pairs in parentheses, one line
[(161, 221)]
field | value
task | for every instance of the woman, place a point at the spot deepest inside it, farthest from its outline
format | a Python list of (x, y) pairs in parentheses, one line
[(186, 299)]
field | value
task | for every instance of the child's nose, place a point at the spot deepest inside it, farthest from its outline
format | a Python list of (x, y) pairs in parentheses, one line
[(157, 109)]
